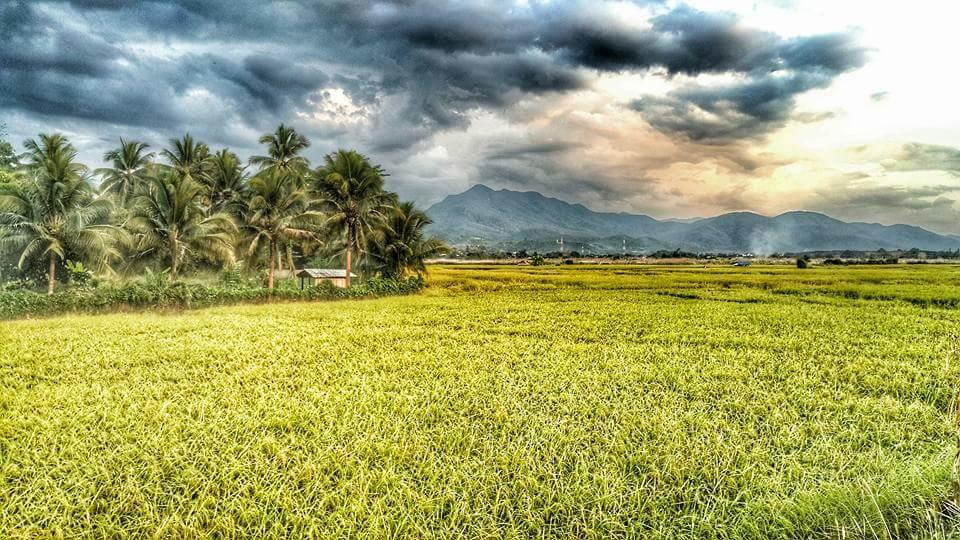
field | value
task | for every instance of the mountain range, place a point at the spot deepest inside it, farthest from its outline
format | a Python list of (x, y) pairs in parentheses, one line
[(528, 220)]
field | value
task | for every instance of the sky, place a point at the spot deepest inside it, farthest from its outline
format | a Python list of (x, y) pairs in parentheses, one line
[(674, 109)]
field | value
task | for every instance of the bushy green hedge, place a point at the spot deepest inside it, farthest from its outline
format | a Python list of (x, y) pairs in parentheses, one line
[(182, 295)]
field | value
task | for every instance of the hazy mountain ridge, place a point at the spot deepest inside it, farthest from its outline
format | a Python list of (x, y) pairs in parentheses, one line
[(518, 220)]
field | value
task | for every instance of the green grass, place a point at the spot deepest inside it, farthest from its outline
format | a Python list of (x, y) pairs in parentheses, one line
[(569, 402)]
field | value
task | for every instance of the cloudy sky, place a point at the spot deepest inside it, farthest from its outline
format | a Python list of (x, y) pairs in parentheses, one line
[(674, 109)]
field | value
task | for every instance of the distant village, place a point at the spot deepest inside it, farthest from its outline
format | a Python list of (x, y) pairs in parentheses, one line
[(474, 254)]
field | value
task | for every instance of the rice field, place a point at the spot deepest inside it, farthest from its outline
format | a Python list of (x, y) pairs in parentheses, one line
[(570, 402)]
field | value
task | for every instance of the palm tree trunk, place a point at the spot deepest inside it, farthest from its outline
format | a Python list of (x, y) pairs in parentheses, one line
[(52, 273), (349, 253), (174, 259), (290, 263), (273, 250)]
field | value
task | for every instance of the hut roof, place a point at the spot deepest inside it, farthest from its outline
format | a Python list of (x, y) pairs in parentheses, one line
[(317, 273)]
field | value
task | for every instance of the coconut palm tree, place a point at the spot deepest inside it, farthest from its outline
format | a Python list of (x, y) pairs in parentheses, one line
[(129, 165), (189, 158), (278, 212), (284, 147), (54, 212), (283, 154), (350, 190), (400, 247), (227, 180), (171, 223)]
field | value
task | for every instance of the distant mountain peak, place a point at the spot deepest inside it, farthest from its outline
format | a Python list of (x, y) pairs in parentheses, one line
[(531, 220), (478, 188)]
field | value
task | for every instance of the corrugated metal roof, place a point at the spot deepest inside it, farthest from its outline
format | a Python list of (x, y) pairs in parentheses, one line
[(324, 273)]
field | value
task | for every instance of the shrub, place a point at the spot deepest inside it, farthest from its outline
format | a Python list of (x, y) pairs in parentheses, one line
[(157, 291), (16, 285), (78, 274)]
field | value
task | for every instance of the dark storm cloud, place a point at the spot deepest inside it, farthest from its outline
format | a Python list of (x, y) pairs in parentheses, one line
[(55, 70), (570, 37), (691, 42), (478, 28), (503, 151), (776, 70), (120, 99), (551, 177), (270, 82), (724, 114), (912, 198), (546, 166), (682, 41), (276, 72), (927, 206), (435, 65), (31, 43), (759, 105), (925, 157), (828, 54), (99, 4), (464, 82)]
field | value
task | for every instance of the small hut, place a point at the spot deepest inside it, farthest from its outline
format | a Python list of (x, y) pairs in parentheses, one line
[(318, 275)]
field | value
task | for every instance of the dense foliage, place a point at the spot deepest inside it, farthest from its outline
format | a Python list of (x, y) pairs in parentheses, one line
[(193, 209), (563, 402), (167, 294), (53, 212), (401, 246), (351, 190)]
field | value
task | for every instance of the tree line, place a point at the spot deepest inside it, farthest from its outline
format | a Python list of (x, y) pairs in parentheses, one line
[(188, 208)]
